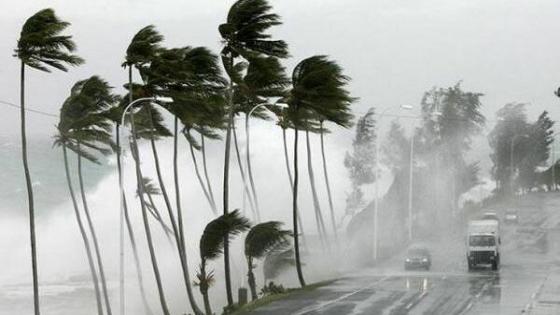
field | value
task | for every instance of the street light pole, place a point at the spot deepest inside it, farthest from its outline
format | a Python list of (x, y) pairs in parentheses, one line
[(410, 175)]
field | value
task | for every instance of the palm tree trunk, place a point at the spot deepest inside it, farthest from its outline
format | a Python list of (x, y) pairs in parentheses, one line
[(244, 179), (84, 235), (158, 172), (130, 232), (203, 285), (251, 279), (250, 169), (140, 187), (180, 219), (30, 199), (96, 248), (225, 200), (316, 205), (287, 160), (327, 183), (210, 192), (157, 216), (295, 210), (199, 177)]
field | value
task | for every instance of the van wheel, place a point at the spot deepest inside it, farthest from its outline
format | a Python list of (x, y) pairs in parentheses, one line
[(494, 265)]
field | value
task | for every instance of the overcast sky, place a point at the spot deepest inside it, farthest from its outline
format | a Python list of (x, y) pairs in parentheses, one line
[(393, 50)]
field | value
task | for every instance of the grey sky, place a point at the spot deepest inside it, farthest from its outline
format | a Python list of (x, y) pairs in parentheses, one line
[(393, 50)]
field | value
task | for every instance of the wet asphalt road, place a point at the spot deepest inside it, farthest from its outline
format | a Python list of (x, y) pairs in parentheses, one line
[(524, 284)]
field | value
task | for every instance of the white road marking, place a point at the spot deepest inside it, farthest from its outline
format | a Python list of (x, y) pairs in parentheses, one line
[(319, 307)]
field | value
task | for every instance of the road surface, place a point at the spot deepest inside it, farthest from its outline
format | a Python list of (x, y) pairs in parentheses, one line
[(528, 281)]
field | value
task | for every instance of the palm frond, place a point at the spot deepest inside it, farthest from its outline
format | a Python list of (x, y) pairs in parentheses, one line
[(245, 30), (41, 46), (213, 238), (265, 237), (143, 47)]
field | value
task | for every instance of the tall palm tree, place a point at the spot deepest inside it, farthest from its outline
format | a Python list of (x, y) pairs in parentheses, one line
[(212, 243), (261, 240), (244, 36), (191, 77), (40, 46), (284, 124), (64, 139), (140, 53), (87, 130), (318, 88)]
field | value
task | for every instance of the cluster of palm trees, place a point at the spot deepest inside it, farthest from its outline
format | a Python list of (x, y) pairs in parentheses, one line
[(204, 93)]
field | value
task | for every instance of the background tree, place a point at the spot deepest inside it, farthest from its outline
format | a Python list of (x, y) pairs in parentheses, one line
[(212, 243), (360, 162), (511, 121), (40, 46), (244, 36), (261, 240)]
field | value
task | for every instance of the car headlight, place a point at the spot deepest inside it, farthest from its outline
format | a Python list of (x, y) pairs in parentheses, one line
[(407, 260), (425, 260)]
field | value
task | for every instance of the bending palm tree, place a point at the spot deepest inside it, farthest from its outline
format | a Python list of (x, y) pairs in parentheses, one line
[(212, 243), (244, 35), (205, 189), (261, 240), (317, 89), (86, 126), (40, 46)]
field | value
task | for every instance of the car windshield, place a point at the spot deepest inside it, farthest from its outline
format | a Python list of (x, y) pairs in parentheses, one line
[(482, 240), (415, 252)]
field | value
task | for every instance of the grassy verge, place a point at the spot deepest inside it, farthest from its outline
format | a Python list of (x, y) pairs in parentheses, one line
[(251, 306)]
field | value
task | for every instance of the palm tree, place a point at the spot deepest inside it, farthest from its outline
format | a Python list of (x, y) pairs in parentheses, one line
[(261, 240), (86, 129), (63, 139), (40, 46), (244, 35), (139, 54), (212, 243), (317, 89), (150, 190)]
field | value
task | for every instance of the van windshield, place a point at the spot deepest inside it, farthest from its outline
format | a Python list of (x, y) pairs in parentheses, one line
[(482, 240)]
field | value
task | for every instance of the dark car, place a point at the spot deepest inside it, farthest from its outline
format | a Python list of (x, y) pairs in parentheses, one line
[(418, 258)]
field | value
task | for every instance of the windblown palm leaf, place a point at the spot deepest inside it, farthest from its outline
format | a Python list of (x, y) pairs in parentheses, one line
[(41, 46), (245, 30), (266, 237), (84, 125), (212, 240), (143, 47), (319, 89)]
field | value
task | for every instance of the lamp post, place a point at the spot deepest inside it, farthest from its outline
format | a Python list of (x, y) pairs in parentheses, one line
[(376, 202), (511, 158), (554, 161)]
